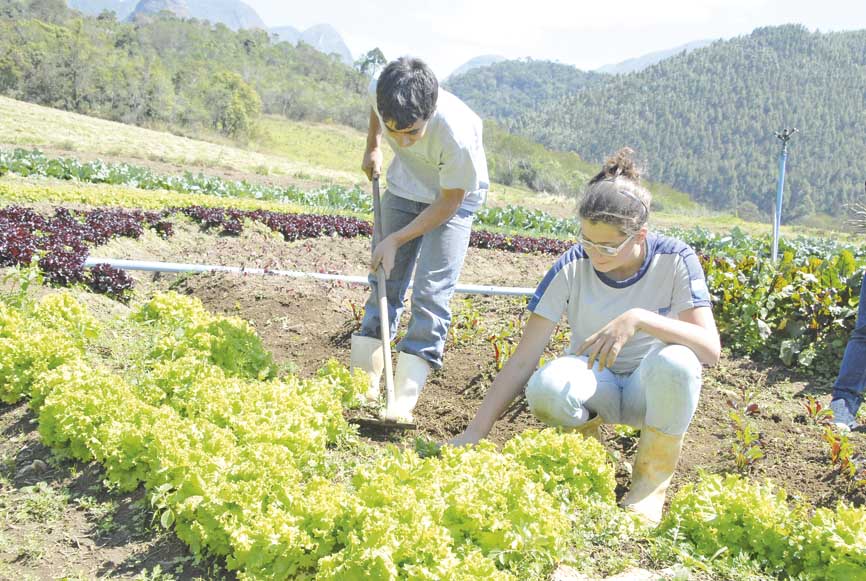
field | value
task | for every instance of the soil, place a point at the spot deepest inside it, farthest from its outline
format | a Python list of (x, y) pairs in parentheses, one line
[(306, 322), (96, 532)]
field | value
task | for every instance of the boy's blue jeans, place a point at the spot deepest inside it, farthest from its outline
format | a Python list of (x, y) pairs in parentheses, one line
[(851, 382), (439, 255)]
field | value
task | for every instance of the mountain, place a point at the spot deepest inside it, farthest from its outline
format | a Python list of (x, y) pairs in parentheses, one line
[(146, 7), (507, 89), (288, 34), (122, 8), (325, 39), (322, 37), (474, 63), (640, 63), (233, 13), (705, 120)]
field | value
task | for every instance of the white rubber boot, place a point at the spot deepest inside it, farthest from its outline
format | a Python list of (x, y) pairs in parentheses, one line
[(367, 354), (654, 465), (409, 379)]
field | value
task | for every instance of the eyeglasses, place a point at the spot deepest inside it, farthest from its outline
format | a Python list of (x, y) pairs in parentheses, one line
[(606, 250), (407, 131)]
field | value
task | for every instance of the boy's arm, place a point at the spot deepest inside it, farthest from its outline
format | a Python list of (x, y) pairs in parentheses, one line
[(373, 159), (436, 214), (510, 380)]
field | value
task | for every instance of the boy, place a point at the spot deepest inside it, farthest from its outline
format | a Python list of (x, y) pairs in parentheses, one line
[(438, 179)]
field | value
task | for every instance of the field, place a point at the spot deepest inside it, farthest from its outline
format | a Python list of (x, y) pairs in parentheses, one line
[(77, 501), (29, 125), (282, 152)]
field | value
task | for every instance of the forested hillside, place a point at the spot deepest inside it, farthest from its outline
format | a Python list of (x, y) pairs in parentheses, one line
[(168, 72), (506, 89), (706, 120)]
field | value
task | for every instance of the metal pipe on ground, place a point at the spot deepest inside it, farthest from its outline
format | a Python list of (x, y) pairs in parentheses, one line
[(178, 267)]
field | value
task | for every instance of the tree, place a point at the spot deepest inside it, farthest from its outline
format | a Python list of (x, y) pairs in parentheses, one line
[(235, 106), (53, 11), (371, 62), (802, 205)]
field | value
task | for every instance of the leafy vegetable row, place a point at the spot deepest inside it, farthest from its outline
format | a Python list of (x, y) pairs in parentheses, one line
[(238, 461), (247, 465), (737, 244)]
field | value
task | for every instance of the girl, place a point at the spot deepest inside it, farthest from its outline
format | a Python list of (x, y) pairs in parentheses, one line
[(641, 326)]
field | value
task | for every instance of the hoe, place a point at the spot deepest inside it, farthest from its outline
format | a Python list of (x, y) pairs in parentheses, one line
[(385, 422)]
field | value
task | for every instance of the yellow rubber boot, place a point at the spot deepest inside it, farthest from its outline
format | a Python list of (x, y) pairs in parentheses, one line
[(654, 465), (590, 429), (367, 354)]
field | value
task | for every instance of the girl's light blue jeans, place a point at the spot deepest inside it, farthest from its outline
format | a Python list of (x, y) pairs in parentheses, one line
[(437, 258), (851, 382), (661, 393)]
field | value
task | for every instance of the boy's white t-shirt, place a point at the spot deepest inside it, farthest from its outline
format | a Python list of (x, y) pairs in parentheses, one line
[(669, 281), (449, 156)]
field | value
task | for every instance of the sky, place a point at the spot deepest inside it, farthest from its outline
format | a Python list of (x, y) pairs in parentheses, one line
[(447, 33)]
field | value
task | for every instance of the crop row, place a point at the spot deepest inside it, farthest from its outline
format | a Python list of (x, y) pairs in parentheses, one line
[(60, 243), (799, 313), (34, 163), (736, 244), (239, 461), (761, 308), (246, 465)]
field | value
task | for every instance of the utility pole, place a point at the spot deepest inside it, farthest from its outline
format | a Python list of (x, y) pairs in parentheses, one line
[(784, 136)]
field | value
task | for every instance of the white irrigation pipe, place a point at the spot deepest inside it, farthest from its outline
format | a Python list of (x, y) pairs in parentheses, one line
[(176, 267)]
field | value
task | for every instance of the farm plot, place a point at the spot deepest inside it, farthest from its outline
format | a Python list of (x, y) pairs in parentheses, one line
[(756, 419)]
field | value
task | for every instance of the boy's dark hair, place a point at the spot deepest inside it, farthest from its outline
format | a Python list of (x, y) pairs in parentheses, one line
[(406, 92), (615, 195)]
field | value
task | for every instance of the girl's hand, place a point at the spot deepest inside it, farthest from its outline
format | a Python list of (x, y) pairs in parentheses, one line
[(463, 439), (605, 344)]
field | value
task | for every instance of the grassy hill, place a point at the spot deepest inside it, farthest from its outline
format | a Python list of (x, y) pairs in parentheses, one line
[(291, 152), (27, 125)]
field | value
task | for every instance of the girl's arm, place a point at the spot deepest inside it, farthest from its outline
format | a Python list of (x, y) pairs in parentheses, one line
[(510, 380), (696, 329)]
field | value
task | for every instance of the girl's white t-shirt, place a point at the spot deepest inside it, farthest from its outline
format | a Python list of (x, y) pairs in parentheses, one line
[(669, 281)]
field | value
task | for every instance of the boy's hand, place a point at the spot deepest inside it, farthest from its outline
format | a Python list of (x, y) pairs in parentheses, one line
[(385, 254), (372, 164)]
